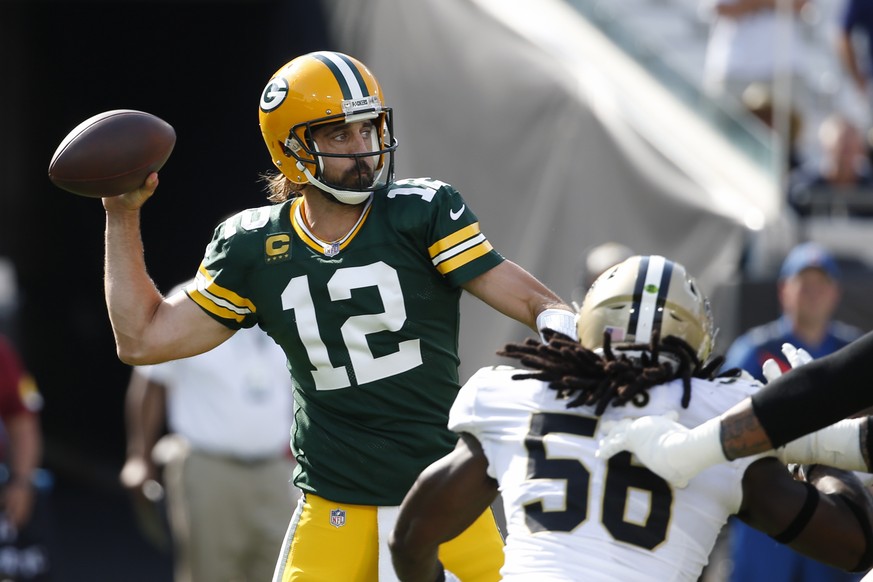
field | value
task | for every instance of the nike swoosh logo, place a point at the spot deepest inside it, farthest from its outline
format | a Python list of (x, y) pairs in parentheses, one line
[(456, 214)]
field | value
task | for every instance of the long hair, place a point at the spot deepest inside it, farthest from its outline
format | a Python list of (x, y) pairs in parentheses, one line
[(279, 188), (618, 376)]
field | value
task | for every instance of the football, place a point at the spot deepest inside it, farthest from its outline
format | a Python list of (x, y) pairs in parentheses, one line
[(111, 153)]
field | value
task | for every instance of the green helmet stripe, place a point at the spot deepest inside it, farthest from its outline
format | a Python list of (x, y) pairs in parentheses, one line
[(346, 73)]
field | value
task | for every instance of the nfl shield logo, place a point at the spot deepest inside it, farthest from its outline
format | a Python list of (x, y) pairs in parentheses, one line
[(337, 517), (332, 249)]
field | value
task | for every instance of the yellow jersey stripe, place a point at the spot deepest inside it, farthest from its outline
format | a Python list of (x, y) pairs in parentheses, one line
[(205, 286), (358, 226), (302, 233), (456, 237), (458, 249), (462, 259), (211, 307), (315, 243)]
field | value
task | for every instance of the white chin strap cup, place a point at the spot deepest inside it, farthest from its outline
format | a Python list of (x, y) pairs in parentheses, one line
[(344, 196)]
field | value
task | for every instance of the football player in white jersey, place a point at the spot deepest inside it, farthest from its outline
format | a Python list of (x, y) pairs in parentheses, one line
[(645, 346)]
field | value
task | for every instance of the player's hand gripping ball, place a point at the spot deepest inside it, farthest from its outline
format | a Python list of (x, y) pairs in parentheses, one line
[(112, 153)]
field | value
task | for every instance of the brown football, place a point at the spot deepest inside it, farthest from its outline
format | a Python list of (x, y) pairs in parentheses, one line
[(111, 153)]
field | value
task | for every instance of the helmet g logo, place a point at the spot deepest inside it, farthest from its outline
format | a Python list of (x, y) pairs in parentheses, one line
[(274, 94)]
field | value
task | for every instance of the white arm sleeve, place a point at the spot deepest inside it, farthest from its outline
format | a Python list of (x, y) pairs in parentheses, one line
[(838, 445), (675, 453)]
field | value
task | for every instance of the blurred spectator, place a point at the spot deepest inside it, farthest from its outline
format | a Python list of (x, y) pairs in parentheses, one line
[(841, 184), (854, 48), (857, 16), (809, 292), (23, 523), (597, 260), (750, 41), (757, 98), (227, 459)]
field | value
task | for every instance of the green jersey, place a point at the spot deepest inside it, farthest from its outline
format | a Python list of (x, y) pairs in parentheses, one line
[(369, 324)]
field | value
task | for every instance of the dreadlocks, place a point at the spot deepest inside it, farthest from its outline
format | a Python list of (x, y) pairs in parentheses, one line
[(590, 379)]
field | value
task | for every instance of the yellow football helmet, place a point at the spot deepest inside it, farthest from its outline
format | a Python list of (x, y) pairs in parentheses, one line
[(318, 88), (640, 295)]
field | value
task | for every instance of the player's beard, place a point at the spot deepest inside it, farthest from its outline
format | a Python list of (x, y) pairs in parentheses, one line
[(358, 177)]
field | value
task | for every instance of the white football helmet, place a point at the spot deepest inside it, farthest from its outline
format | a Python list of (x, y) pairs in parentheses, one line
[(641, 295)]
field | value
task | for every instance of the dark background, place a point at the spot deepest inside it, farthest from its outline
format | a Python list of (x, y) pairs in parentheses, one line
[(200, 65)]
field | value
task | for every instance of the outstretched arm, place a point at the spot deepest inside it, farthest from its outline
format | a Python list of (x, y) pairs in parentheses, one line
[(824, 515), (740, 432), (812, 395), (797, 403), (516, 293), (445, 500), (678, 454), (148, 328)]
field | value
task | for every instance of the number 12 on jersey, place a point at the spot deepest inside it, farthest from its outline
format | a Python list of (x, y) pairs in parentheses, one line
[(354, 330)]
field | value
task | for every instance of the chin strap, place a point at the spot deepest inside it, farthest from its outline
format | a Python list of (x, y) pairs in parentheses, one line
[(344, 196)]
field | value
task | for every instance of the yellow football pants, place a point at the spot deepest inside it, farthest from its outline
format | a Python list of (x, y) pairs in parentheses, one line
[(338, 541)]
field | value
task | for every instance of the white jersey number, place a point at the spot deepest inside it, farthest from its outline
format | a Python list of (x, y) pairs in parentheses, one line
[(366, 367), (621, 478)]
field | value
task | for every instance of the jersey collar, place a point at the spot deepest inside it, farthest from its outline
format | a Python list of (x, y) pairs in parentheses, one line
[(328, 248)]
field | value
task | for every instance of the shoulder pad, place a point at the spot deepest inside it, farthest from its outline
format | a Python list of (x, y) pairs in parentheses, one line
[(251, 219)]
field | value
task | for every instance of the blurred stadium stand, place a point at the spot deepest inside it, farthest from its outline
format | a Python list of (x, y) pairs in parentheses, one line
[(669, 38)]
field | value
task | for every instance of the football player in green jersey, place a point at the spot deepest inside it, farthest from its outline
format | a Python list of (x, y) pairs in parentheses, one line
[(358, 277)]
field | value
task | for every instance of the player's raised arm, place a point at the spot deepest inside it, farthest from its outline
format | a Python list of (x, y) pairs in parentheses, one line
[(115, 155), (148, 328)]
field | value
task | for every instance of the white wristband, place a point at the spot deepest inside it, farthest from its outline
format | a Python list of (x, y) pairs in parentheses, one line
[(838, 445), (559, 320)]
